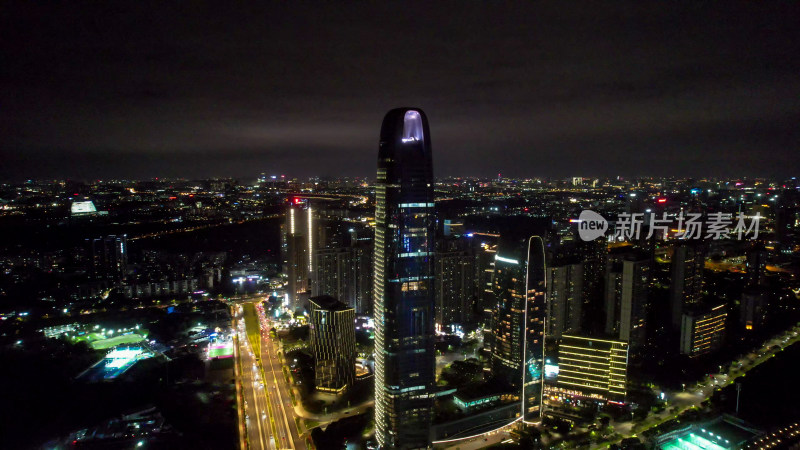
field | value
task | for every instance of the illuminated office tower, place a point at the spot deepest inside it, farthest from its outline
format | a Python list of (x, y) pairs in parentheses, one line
[(627, 279), (686, 286), (403, 287), (298, 248), (564, 299), (519, 318), (703, 330), (333, 343), (590, 369)]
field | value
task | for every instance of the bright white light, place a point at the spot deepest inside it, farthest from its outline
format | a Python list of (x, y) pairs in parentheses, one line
[(505, 260), (412, 127), (83, 207), (120, 357)]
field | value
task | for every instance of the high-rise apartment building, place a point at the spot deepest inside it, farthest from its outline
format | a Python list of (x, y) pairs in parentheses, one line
[(298, 250), (756, 266), (404, 284), (108, 257), (454, 283), (703, 330), (627, 279), (594, 255), (686, 285), (753, 308), (333, 343), (345, 273), (564, 299), (333, 273), (363, 253)]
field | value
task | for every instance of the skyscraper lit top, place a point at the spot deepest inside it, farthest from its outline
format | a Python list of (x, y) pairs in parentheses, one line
[(519, 317), (404, 291)]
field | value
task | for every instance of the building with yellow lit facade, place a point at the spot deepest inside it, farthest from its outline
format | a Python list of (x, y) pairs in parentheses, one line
[(588, 369), (703, 330)]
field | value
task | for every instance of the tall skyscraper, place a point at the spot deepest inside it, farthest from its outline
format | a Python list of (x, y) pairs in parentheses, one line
[(298, 250), (363, 252), (485, 249), (627, 279), (455, 283), (686, 286), (333, 273), (753, 308), (345, 273), (519, 318), (564, 299), (594, 255), (333, 343), (756, 266), (403, 288)]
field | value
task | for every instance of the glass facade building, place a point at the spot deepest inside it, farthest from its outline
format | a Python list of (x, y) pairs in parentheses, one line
[(333, 343), (519, 319), (403, 284)]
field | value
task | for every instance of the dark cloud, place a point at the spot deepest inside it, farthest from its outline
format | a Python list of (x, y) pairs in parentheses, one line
[(138, 89)]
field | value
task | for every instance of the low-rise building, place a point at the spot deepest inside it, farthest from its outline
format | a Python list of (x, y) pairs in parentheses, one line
[(589, 369)]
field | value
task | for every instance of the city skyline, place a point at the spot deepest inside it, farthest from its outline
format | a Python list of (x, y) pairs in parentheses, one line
[(201, 246), (143, 90)]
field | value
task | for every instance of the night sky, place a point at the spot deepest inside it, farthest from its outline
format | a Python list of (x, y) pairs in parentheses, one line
[(553, 89)]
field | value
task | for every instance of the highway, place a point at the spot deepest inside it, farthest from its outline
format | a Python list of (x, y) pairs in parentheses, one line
[(268, 409), (277, 387), (255, 404)]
